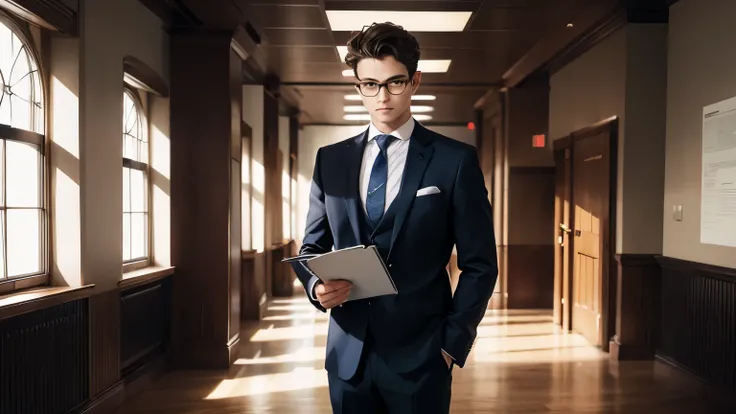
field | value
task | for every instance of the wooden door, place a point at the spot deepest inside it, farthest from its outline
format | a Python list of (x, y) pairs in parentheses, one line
[(563, 240), (591, 211)]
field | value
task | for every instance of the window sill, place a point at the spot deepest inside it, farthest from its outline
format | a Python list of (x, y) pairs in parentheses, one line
[(146, 275), (39, 298)]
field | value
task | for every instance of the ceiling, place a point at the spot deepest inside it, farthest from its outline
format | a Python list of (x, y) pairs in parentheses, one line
[(301, 47)]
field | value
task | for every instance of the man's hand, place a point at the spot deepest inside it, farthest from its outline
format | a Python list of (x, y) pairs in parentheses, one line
[(332, 293), (448, 360)]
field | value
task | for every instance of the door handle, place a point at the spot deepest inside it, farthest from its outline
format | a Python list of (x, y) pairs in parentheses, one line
[(564, 228)]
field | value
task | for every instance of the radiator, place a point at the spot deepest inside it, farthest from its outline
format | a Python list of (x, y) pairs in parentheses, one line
[(44, 360)]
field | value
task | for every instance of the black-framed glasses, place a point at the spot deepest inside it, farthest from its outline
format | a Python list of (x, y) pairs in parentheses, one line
[(394, 87)]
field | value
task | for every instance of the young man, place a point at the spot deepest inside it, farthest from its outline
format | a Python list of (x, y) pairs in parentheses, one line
[(414, 194)]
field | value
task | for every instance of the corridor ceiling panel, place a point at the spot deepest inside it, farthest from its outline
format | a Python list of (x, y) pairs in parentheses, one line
[(302, 46)]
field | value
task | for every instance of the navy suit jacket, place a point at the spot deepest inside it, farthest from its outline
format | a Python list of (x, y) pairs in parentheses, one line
[(424, 318)]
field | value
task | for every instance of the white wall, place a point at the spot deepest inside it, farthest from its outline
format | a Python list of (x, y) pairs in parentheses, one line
[(701, 67), (311, 138), (623, 76), (86, 128)]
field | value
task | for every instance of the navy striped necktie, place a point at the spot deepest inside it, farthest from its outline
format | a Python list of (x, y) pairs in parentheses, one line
[(375, 201)]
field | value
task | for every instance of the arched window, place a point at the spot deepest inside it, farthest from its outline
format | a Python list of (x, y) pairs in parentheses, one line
[(22, 128), (135, 182)]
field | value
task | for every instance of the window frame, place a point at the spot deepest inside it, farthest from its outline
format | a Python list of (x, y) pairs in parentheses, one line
[(10, 133), (140, 262)]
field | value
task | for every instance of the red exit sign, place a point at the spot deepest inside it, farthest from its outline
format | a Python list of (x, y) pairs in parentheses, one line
[(538, 141)]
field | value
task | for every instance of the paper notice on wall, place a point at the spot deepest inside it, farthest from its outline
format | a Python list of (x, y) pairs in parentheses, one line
[(718, 186)]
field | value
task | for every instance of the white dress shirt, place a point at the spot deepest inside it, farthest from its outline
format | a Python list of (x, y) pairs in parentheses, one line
[(397, 153)]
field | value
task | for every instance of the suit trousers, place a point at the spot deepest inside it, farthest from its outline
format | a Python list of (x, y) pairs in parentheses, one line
[(376, 389)]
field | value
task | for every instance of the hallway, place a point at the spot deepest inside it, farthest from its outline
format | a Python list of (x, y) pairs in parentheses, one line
[(521, 364)]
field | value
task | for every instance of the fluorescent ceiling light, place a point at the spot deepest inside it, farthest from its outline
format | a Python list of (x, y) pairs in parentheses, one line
[(357, 117), (434, 65), (367, 117), (342, 51), (414, 108), (413, 21), (413, 98), (425, 66), (354, 108)]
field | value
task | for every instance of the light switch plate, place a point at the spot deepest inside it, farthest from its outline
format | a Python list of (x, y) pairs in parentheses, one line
[(677, 212)]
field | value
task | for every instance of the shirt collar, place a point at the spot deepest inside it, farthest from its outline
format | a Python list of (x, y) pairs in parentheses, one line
[(403, 133)]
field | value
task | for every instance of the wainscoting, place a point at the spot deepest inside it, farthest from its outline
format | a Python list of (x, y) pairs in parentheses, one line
[(635, 313), (77, 353), (531, 276), (530, 261), (697, 329), (44, 360), (145, 319)]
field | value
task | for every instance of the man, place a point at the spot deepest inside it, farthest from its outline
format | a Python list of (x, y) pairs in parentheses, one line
[(414, 194)]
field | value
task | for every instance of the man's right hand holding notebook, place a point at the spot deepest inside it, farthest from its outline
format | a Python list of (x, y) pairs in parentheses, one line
[(332, 293)]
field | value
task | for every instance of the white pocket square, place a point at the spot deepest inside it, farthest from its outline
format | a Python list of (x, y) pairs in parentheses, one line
[(427, 191)]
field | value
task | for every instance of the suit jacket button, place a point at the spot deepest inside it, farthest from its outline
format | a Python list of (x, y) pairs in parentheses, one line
[(390, 264)]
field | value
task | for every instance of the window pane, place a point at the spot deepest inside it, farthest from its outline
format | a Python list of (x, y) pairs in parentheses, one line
[(2, 244), (143, 152), (126, 190), (130, 148), (126, 236), (137, 191), (24, 244), (22, 169), (138, 235), (20, 102)]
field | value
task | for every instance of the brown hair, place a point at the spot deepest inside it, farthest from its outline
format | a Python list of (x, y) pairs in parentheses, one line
[(380, 40)]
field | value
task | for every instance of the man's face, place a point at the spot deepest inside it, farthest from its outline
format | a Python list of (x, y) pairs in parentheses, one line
[(388, 80)]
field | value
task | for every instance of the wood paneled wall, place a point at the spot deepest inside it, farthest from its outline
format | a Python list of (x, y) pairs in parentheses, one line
[(104, 329), (520, 182), (44, 359), (204, 122), (76, 353), (697, 323), (145, 320), (530, 263), (637, 307)]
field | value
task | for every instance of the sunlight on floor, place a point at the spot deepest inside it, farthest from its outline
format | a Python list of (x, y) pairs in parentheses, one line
[(299, 379), (292, 335), (305, 354)]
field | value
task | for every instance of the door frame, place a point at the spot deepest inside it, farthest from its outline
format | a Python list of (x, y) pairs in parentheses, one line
[(564, 149)]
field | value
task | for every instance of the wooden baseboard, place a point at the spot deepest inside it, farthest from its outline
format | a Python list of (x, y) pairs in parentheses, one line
[(621, 352), (233, 349), (111, 399)]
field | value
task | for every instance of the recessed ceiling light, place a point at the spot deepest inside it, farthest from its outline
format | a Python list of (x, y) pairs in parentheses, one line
[(413, 98), (367, 117), (424, 66), (413, 21), (414, 108)]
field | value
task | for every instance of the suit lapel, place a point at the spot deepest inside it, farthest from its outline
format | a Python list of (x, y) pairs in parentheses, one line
[(353, 162), (417, 160)]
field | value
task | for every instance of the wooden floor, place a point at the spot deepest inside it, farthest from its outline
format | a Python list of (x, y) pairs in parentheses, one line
[(521, 363)]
